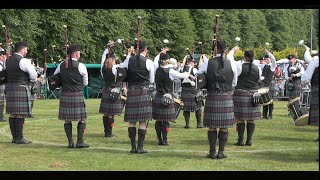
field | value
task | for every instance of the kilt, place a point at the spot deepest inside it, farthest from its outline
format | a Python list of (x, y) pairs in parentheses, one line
[(188, 98), (161, 112), (314, 107), (296, 91), (109, 106), (218, 110), (33, 95), (18, 99), (72, 106), (243, 108), (138, 105), (2, 95), (273, 92)]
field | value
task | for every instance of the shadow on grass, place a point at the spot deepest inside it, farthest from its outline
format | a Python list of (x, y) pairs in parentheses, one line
[(281, 138), (305, 130)]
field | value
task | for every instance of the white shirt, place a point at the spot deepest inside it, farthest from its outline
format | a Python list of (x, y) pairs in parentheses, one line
[(299, 65), (149, 66), (308, 58), (310, 70), (272, 65), (82, 70), (26, 66)]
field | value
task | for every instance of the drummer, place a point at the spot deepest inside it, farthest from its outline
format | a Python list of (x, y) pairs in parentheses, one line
[(267, 81), (248, 76), (164, 112), (293, 75)]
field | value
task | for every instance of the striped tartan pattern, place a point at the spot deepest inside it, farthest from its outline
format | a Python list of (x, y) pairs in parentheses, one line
[(18, 99), (161, 112), (72, 106), (138, 105), (188, 98), (272, 90), (109, 106), (314, 107), (218, 110), (243, 107), (2, 94), (34, 95), (296, 91)]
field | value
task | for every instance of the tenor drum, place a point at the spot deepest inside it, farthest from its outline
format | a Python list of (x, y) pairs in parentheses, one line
[(265, 98), (178, 104), (300, 116)]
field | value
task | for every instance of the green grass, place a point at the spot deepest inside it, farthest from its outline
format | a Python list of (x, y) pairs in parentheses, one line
[(278, 145)]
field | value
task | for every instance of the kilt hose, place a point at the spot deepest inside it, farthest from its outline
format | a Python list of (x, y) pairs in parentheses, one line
[(296, 91), (161, 112), (72, 107), (243, 107), (109, 106), (18, 98), (218, 110), (138, 105), (188, 98), (2, 95), (314, 107)]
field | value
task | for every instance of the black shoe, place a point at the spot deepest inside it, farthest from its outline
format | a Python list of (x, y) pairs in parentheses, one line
[(239, 144), (71, 144), (133, 151), (82, 145), (200, 126), (165, 143), (2, 119), (316, 140), (160, 142), (13, 141), (23, 141), (265, 117), (109, 135), (187, 126), (221, 155), (212, 156), (140, 151), (248, 143)]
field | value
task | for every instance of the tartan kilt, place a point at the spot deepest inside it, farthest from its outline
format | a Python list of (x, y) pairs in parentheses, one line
[(296, 91), (243, 107), (314, 107), (109, 106), (138, 105), (188, 98), (18, 99), (161, 112), (218, 110), (272, 89), (34, 95), (2, 94), (72, 106)]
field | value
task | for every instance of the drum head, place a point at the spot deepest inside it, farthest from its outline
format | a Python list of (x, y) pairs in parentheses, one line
[(292, 101), (263, 90), (302, 121)]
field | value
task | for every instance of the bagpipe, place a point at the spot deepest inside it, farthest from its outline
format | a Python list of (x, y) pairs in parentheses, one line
[(3, 73)]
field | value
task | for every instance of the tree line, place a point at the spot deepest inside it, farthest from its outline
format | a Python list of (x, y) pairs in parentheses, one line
[(184, 28)]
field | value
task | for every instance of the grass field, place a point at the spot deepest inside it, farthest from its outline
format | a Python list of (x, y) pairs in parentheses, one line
[(278, 145)]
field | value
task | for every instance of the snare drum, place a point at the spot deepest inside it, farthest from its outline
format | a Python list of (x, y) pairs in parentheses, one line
[(265, 98), (178, 104), (300, 116)]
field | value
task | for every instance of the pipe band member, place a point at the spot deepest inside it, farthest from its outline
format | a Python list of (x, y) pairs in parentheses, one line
[(293, 75), (244, 110), (164, 112), (268, 69), (72, 106), (3, 58), (111, 103), (20, 72), (140, 73), (218, 111)]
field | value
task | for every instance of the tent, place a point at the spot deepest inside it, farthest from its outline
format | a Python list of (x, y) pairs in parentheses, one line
[(95, 84)]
